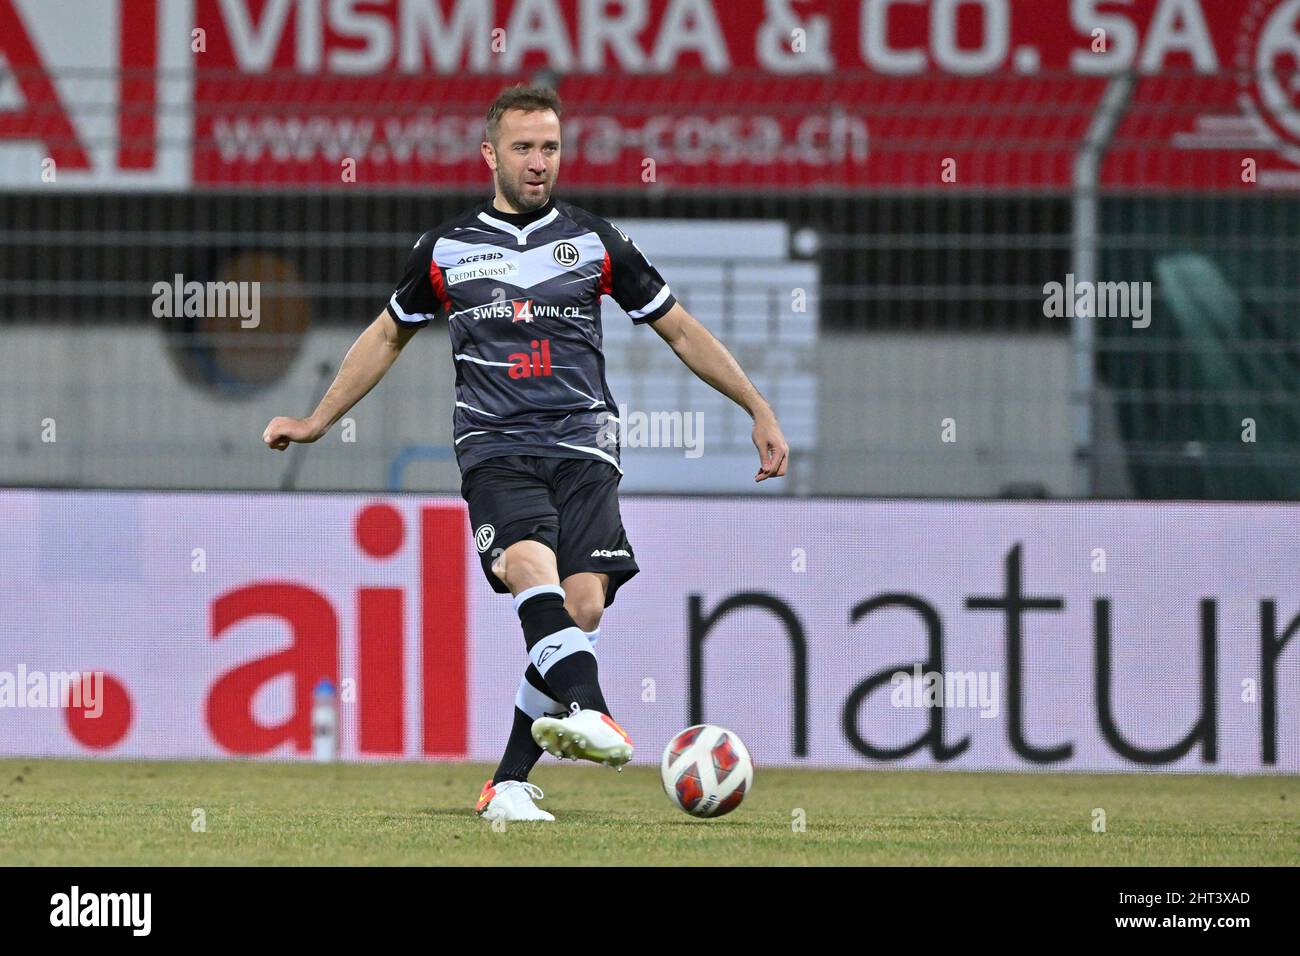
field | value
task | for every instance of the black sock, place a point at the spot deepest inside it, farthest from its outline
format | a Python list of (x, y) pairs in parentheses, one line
[(521, 751), (561, 652), (575, 679)]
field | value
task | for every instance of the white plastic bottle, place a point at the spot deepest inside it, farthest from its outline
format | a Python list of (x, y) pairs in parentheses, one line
[(324, 722)]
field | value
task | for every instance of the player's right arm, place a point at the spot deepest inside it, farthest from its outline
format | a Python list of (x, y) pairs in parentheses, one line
[(411, 308), (371, 355)]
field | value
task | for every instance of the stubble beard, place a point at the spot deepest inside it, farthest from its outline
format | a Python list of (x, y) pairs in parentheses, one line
[(513, 194)]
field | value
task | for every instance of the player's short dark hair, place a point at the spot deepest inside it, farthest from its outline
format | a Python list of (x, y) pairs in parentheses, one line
[(530, 99)]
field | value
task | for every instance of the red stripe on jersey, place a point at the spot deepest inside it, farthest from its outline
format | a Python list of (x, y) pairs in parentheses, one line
[(606, 275), (439, 287)]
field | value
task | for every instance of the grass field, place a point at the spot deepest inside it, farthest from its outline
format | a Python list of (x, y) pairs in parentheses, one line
[(96, 812)]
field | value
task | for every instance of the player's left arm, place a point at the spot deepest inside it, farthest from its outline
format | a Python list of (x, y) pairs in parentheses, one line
[(709, 359)]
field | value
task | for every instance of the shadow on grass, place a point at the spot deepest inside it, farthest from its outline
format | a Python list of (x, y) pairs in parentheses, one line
[(596, 818)]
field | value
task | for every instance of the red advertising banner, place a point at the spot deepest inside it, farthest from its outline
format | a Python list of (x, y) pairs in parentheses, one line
[(707, 94), (739, 94)]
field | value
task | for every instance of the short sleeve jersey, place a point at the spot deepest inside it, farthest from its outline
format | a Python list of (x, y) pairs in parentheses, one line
[(520, 295)]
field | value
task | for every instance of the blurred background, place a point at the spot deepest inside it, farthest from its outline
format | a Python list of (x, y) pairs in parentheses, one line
[(1019, 277), (865, 199)]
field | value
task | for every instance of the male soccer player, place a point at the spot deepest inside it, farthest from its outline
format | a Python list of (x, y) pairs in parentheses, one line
[(518, 280)]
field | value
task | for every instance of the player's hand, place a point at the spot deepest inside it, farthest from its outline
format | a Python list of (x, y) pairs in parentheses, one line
[(772, 449), (283, 430)]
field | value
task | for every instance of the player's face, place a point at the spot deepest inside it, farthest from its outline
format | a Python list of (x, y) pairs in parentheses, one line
[(527, 157)]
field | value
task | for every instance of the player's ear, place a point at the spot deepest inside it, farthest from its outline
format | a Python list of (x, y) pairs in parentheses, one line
[(489, 155)]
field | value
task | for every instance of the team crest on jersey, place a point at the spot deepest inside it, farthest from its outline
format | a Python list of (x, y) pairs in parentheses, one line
[(484, 537), (566, 254)]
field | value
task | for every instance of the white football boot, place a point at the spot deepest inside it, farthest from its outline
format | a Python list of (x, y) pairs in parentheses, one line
[(511, 800), (584, 735)]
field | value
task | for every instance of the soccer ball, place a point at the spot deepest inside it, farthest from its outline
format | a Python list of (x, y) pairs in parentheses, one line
[(706, 771)]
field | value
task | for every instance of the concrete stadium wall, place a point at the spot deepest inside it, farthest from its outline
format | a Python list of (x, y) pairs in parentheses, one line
[(124, 415)]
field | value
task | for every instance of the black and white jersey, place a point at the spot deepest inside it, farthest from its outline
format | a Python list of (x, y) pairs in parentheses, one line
[(521, 298)]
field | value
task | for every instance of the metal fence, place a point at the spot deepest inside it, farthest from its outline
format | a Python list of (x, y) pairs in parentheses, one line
[(940, 367)]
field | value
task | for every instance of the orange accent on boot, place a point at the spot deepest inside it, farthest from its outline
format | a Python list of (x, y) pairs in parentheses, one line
[(485, 797), (610, 720)]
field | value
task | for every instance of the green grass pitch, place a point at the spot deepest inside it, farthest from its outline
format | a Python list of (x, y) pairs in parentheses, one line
[(67, 812)]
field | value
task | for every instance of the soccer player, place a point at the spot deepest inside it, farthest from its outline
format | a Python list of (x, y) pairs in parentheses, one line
[(518, 281)]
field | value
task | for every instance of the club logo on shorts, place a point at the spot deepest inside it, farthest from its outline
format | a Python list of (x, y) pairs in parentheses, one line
[(484, 536), (566, 254)]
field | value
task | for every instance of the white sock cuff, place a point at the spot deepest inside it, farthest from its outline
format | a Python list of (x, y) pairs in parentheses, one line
[(533, 702), (593, 636), (532, 592), (557, 647)]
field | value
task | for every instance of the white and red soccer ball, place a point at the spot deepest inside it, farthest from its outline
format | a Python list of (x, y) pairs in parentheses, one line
[(706, 771)]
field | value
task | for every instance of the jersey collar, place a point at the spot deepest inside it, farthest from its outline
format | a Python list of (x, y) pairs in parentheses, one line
[(521, 227)]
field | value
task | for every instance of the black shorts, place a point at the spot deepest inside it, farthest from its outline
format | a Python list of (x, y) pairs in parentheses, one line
[(568, 504)]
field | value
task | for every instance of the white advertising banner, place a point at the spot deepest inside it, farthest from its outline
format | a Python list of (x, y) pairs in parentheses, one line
[(1077, 636)]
